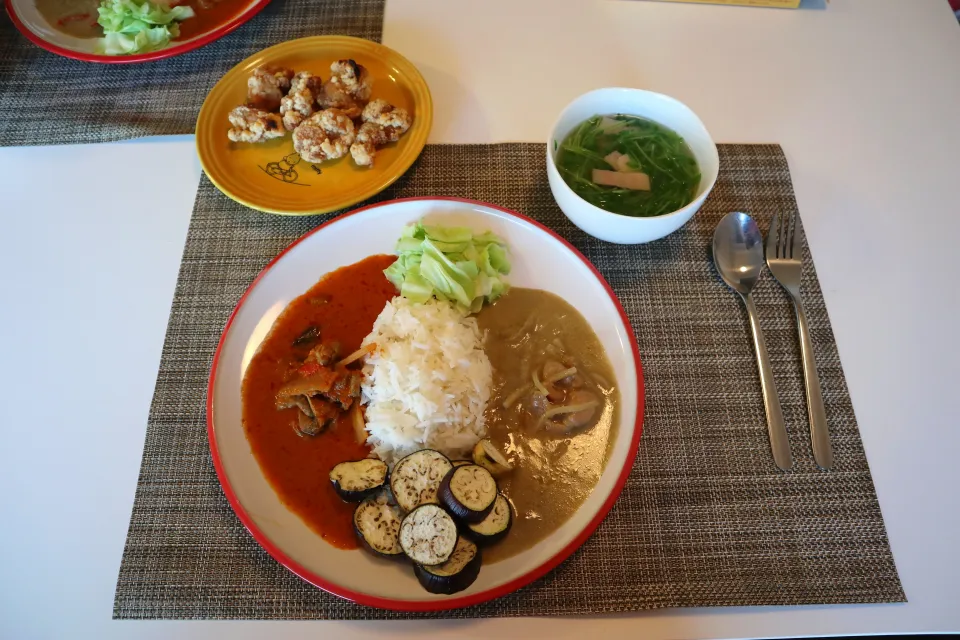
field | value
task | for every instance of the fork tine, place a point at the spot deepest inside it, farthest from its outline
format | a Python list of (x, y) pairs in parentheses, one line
[(773, 237), (785, 236), (795, 233)]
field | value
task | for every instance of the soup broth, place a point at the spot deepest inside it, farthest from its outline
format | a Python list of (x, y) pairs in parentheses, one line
[(622, 145)]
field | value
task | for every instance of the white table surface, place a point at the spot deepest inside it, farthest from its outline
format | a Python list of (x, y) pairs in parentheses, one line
[(865, 99)]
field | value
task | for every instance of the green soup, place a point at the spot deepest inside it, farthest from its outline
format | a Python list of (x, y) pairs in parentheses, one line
[(628, 144)]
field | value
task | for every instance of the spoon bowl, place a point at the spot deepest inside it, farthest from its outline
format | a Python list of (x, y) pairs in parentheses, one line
[(738, 251)]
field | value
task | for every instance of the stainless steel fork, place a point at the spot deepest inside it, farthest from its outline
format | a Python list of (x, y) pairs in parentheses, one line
[(784, 260)]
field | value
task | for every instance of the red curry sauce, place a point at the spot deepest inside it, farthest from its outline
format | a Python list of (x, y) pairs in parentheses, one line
[(343, 304), (78, 18), (209, 15)]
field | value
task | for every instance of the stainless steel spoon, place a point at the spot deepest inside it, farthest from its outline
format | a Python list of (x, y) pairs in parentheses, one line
[(738, 256)]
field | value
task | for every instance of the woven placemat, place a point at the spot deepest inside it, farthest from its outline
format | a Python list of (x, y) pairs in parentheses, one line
[(705, 519), (49, 99)]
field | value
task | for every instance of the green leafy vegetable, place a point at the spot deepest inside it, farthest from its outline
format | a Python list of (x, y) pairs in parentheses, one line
[(450, 263), (651, 148), (135, 26)]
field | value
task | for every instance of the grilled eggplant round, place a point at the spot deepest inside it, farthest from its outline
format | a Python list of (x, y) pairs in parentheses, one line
[(377, 524), (454, 575), (495, 526), (416, 478), (469, 492), (359, 479), (428, 535)]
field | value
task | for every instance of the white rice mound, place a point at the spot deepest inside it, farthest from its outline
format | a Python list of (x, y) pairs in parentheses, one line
[(428, 382)]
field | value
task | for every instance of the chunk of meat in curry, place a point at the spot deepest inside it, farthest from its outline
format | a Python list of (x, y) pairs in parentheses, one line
[(319, 388)]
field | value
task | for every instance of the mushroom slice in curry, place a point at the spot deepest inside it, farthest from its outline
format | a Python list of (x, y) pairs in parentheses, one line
[(316, 384), (306, 425), (299, 402)]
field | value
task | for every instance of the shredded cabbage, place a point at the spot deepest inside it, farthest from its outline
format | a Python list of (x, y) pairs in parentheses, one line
[(138, 26), (450, 263)]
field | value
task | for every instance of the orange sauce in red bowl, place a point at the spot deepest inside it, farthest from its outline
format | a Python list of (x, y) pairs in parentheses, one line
[(344, 305)]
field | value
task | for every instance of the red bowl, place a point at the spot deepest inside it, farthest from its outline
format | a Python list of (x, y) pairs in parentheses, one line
[(35, 27)]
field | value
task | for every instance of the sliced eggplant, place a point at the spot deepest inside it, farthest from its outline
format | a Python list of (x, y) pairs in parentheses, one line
[(460, 463), (416, 478), (468, 492), (309, 336), (495, 526), (428, 535), (486, 454), (377, 525), (454, 575), (359, 479)]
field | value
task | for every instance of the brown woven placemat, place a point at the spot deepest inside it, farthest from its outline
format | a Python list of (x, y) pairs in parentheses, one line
[(49, 99), (705, 519)]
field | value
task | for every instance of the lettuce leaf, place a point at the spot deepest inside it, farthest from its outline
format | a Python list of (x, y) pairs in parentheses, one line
[(447, 234), (415, 286), (449, 263), (138, 26)]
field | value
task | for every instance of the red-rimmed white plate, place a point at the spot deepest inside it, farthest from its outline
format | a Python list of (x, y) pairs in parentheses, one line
[(542, 260), (37, 29)]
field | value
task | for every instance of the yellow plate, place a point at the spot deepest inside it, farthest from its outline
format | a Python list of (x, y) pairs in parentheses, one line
[(270, 176)]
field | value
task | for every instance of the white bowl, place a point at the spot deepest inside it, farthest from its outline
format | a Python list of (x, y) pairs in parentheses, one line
[(614, 227)]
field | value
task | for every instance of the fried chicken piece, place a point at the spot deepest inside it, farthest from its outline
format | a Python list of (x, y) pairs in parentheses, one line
[(369, 137), (333, 98), (301, 101), (326, 135), (364, 149), (352, 78), (337, 123), (267, 86), (292, 120), (254, 125), (348, 88), (386, 115), (383, 123)]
